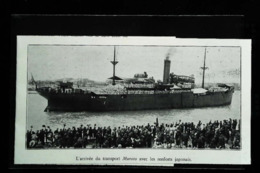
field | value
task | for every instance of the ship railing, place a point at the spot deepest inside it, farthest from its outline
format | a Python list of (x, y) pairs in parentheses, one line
[(58, 91), (121, 92), (139, 86)]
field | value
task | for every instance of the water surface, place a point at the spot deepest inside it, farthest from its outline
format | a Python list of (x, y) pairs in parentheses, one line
[(37, 117)]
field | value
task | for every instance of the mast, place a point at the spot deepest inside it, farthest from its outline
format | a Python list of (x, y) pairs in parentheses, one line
[(114, 66), (33, 81), (204, 68)]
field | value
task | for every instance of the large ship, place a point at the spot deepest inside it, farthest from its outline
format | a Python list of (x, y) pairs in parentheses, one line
[(138, 93)]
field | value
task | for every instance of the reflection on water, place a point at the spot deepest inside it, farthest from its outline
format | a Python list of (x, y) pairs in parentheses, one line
[(37, 117)]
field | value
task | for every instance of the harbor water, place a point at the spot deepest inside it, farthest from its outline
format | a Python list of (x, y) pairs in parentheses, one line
[(36, 116)]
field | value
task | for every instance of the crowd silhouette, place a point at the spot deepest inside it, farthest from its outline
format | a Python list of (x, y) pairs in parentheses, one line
[(212, 135)]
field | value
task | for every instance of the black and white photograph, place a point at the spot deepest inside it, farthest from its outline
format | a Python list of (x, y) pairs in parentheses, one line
[(159, 99)]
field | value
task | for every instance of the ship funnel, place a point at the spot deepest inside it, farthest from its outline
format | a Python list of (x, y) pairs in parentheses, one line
[(166, 70)]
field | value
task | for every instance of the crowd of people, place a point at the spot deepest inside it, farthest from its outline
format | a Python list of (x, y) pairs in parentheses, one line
[(212, 135)]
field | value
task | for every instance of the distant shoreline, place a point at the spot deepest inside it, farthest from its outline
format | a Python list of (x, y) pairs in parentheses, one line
[(32, 92)]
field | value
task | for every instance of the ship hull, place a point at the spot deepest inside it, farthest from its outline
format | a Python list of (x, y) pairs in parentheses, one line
[(129, 102)]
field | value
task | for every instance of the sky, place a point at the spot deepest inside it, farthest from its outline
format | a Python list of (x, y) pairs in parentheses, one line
[(50, 62)]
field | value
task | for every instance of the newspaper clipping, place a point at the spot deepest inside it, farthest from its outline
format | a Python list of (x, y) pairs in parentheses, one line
[(142, 101)]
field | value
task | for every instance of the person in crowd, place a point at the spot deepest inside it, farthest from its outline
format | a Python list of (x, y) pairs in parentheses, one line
[(213, 135)]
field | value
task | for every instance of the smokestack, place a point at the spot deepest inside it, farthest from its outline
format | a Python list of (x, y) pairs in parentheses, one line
[(166, 70)]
